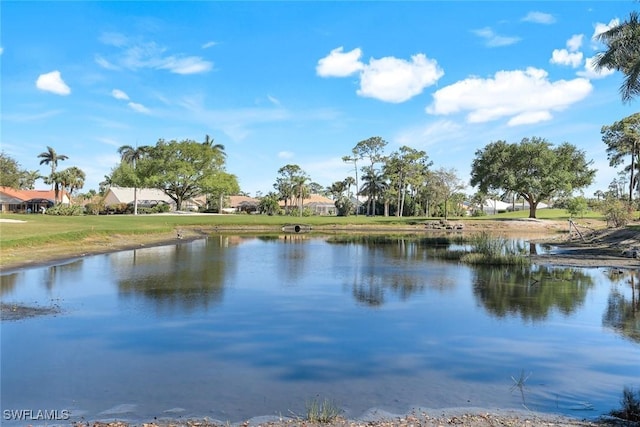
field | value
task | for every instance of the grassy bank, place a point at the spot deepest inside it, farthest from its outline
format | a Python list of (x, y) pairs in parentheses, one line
[(42, 237)]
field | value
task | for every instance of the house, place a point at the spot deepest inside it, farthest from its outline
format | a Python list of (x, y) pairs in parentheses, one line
[(493, 206), (148, 197), (316, 203), (320, 205), (12, 200), (241, 204)]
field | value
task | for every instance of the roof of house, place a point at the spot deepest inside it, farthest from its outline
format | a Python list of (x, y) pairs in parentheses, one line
[(125, 194), (318, 199), (24, 195), (234, 201)]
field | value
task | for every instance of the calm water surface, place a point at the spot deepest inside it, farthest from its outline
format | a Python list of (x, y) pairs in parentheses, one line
[(234, 327)]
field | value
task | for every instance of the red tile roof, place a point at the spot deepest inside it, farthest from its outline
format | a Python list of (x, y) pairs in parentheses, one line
[(29, 194)]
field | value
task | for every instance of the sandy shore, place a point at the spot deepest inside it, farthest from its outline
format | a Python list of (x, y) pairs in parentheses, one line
[(476, 417)]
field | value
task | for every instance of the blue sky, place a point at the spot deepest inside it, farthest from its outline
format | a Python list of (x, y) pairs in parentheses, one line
[(303, 82)]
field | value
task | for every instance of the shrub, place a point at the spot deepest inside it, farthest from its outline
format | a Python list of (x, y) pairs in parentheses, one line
[(630, 410), (65, 210), (322, 412), (617, 213)]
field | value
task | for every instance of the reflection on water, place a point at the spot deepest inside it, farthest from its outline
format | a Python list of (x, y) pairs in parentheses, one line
[(237, 326), (531, 292), (623, 312)]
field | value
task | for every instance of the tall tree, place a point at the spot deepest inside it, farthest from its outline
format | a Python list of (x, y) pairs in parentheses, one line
[(623, 139), (51, 157), (354, 159), (291, 184), (405, 169), (220, 185), (448, 186), (132, 156), (533, 169), (623, 54)]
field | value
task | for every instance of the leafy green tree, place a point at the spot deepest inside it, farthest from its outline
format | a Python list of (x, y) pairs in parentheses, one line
[(448, 186), (533, 169), (623, 139), (577, 206), (51, 157), (10, 172), (71, 179), (291, 185), (131, 156), (623, 54), (182, 169), (269, 203), (405, 169), (219, 185)]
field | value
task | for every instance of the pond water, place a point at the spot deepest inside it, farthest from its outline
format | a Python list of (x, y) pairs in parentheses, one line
[(232, 327)]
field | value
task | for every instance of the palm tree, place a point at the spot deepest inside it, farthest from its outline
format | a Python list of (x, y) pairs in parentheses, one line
[(301, 189), (72, 179), (50, 157), (623, 54), (28, 179), (373, 187), (131, 155), (218, 148)]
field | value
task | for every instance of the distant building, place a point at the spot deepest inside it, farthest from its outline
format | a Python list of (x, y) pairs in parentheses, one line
[(27, 201), (319, 205), (148, 197)]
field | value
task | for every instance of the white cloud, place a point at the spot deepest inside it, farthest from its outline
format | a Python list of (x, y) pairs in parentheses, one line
[(564, 57), (339, 64), (494, 40), (187, 65), (539, 18), (285, 154), (207, 45), (523, 96), (387, 79), (590, 71), (52, 82), (136, 55), (1, 50), (105, 64), (396, 80), (600, 28), (273, 100), (430, 134), (575, 42), (138, 107), (118, 94)]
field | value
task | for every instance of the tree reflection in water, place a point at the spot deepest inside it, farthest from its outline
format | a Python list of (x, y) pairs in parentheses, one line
[(530, 291), (387, 263), (623, 314), (182, 277)]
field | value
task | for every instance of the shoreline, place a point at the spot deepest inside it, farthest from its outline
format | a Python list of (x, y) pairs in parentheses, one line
[(422, 417), (602, 251)]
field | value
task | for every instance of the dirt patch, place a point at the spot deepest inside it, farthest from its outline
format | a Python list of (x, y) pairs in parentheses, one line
[(617, 248), (19, 311)]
